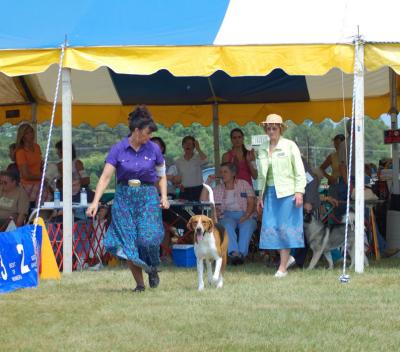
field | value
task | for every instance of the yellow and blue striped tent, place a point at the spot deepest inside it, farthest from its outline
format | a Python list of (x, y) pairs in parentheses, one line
[(180, 57)]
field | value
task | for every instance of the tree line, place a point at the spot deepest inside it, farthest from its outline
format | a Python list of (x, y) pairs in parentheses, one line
[(92, 144)]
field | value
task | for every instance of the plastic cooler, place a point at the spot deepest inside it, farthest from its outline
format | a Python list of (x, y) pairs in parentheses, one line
[(183, 255)]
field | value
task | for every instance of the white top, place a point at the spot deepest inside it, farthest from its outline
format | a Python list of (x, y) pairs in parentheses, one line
[(172, 171), (190, 170)]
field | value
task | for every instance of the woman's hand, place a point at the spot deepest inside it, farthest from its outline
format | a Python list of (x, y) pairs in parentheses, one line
[(91, 211), (164, 203), (333, 201), (260, 205), (251, 156), (210, 179), (243, 218), (298, 199), (308, 207)]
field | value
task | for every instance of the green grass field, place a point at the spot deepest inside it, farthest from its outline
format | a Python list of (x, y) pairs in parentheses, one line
[(306, 311)]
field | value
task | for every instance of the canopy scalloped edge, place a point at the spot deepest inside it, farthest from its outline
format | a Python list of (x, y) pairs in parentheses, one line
[(251, 60), (204, 60), (95, 115)]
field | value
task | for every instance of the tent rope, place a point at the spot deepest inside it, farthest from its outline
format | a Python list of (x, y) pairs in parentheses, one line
[(344, 278), (53, 112)]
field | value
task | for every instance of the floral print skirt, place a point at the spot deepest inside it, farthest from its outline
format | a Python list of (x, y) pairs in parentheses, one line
[(136, 230)]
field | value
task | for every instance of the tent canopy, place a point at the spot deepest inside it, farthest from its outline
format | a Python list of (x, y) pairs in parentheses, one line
[(179, 57)]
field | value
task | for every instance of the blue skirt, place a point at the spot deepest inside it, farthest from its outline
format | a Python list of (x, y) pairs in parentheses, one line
[(136, 230), (282, 222)]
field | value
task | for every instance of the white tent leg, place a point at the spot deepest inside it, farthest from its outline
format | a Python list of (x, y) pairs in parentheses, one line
[(67, 169), (216, 138), (359, 155), (394, 125)]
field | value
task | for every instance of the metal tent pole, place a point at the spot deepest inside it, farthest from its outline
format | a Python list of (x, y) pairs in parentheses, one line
[(67, 169), (394, 125), (34, 118), (215, 128), (359, 154), (216, 137)]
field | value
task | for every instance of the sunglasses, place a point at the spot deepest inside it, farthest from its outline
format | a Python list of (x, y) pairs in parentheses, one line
[(271, 128)]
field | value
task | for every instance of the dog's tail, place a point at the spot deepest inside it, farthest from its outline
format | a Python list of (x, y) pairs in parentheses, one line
[(221, 229)]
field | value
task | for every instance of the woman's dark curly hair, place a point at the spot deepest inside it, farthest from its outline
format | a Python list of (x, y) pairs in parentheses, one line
[(141, 118)]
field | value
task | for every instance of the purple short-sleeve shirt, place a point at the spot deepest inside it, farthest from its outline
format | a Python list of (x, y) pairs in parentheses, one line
[(131, 164)]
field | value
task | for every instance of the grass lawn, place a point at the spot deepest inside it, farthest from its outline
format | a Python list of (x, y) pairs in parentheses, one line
[(306, 311)]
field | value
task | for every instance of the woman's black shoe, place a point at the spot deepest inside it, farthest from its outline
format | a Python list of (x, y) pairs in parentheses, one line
[(239, 260), (154, 279), (139, 289), (234, 260)]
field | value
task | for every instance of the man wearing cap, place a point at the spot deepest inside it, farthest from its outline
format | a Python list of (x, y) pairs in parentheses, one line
[(282, 181)]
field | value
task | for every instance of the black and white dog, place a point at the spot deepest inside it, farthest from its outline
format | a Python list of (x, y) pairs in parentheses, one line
[(322, 238)]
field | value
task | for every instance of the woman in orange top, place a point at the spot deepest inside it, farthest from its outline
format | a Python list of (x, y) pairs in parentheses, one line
[(28, 157)]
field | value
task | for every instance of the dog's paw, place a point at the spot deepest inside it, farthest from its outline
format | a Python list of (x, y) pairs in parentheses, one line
[(220, 283), (215, 279), (200, 287)]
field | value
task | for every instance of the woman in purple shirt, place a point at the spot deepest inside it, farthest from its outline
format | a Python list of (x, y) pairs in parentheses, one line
[(136, 231)]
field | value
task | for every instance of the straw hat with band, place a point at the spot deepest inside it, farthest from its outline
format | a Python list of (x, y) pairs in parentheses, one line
[(274, 119)]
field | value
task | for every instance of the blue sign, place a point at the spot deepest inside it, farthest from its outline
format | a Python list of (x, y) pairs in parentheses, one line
[(18, 261)]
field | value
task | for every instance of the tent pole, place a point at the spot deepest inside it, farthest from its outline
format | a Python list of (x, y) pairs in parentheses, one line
[(359, 154), (394, 125), (216, 137), (67, 169), (34, 118)]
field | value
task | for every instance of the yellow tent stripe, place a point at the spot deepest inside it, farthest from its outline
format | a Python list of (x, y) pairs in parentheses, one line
[(187, 60), (255, 60), (204, 60), (25, 62), (379, 55), (95, 115)]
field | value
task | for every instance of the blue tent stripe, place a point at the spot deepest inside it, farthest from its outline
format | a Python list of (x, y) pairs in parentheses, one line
[(44, 24), (162, 88)]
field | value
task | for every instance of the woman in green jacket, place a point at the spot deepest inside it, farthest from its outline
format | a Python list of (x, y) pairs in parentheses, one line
[(282, 180)]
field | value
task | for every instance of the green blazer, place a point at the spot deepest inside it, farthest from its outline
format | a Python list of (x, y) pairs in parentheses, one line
[(287, 168)]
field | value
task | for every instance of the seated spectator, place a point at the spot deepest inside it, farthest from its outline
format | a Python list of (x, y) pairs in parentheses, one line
[(236, 211), (28, 157), (80, 179), (11, 153), (14, 202), (172, 174), (167, 214), (189, 168), (332, 161), (245, 160)]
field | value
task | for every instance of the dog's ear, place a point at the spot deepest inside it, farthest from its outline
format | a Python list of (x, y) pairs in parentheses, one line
[(210, 224), (190, 224)]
